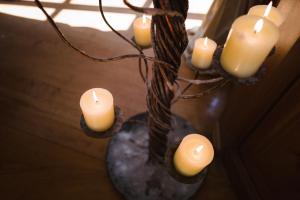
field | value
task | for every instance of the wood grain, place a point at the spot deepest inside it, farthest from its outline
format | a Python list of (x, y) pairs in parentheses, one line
[(247, 105), (271, 153), (260, 126), (43, 153)]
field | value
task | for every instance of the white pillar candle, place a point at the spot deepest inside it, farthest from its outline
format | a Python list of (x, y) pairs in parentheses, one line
[(269, 12), (249, 42), (98, 109), (203, 52), (142, 31), (194, 153)]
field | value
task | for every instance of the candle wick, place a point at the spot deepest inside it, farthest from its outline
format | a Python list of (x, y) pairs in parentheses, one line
[(96, 99), (199, 149), (144, 19), (258, 26), (205, 41)]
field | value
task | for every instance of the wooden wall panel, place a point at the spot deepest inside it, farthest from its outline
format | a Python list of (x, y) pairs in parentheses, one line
[(248, 104), (272, 154), (259, 128)]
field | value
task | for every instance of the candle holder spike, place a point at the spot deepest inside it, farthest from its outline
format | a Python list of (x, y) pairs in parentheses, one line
[(105, 134)]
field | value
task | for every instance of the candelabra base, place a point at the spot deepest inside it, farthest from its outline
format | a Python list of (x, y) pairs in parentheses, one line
[(134, 175)]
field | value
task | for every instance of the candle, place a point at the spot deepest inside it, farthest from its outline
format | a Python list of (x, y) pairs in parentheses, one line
[(249, 42), (204, 49), (271, 13), (142, 31), (98, 109), (194, 153)]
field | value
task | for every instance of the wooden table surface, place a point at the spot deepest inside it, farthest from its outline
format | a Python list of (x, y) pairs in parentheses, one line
[(43, 153)]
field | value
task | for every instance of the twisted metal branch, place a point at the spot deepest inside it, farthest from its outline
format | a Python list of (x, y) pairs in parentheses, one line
[(144, 77), (108, 59), (153, 11), (169, 40), (199, 82), (82, 52), (179, 92), (205, 92)]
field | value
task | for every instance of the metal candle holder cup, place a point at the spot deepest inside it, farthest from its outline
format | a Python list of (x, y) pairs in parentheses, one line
[(169, 163), (105, 134), (216, 68)]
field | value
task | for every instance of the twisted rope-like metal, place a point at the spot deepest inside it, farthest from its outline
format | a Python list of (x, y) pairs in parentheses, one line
[(169, 40)]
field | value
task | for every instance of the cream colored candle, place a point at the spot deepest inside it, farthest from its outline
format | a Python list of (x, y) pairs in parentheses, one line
[(203, 52), (269, 12), (194, 153), (98, 109), (249, 42), (142, 31)]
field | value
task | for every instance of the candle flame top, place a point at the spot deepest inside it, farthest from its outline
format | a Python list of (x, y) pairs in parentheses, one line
[(96, 99), (205, 41), (144, 19), (199, 149), (258, 25), (268, 9)]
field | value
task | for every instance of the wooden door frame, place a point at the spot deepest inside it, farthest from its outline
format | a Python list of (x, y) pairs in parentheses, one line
[(232, 156)]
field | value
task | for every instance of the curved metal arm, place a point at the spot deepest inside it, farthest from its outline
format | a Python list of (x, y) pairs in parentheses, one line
[(200, 82), (153, 11)]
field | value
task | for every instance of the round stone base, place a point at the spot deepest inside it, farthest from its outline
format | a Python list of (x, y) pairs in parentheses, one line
[(131, 172)]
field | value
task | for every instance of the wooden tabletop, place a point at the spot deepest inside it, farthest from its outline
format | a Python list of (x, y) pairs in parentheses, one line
[(43, 153)]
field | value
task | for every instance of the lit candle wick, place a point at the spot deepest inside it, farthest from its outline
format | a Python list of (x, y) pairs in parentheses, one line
[(268, 9), (258, 26), (144, 19), (205, 41), (95, 97), (199, 149)]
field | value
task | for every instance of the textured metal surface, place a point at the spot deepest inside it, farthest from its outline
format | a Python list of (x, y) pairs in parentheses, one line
[(169, 40), (105, 134), (216, 65), (134, 175)]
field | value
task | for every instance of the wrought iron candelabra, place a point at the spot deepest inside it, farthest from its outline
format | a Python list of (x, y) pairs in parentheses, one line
[(140, 152)]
